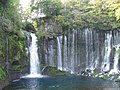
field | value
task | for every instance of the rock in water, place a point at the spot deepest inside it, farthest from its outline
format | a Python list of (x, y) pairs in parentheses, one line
[(53, 71)]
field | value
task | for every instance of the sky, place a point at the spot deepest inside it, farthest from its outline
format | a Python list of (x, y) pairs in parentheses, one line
[(25, 3)]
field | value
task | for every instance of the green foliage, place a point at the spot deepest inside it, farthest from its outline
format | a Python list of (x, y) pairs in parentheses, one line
[(39, 34), (11, 27), (2, 73), (10, 17), (97, 14), (2, 45), (49, 7)]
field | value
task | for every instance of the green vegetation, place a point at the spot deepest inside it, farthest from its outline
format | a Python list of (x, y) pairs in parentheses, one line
[(2, 73), (12, 36), (53, 71), (76, 14)]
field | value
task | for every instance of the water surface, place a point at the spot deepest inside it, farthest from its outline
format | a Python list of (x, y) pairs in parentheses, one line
[(62, 83)]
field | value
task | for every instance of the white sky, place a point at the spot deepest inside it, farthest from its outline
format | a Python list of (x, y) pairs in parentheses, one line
[(25, 3)]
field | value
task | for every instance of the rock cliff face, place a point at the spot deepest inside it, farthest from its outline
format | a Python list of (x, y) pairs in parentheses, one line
[(81, 50)]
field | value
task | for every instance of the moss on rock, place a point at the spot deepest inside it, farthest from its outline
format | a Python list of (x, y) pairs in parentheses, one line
[(53, 71)]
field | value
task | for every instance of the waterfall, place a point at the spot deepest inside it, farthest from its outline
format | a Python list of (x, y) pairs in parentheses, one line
[(86, 41), (91, 60), (72, 53), (51, 55), (115, 69), (45, 53), (116, 58), (59, 52), (96, 52), (106, 62), (34, 59), (89, 50), (65, 66), (83, 50)]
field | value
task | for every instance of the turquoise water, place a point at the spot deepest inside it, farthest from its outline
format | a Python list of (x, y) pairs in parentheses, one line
[(62, 83)]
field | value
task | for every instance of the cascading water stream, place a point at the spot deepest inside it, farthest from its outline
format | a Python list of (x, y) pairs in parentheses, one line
[(51, 56), (115, 69), (92, 52), (86, 41), (82, 50), (106, 62), (34, 59), (65, 66), (59, 52), (116, 58), (89, 50), (72, 53)]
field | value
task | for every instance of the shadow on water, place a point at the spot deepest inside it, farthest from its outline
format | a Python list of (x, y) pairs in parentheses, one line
[(62, 83)]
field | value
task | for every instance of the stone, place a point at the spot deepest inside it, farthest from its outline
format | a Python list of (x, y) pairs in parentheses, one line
[(53, 71)]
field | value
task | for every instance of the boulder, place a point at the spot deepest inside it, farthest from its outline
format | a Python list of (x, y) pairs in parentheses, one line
[(53, 71)]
